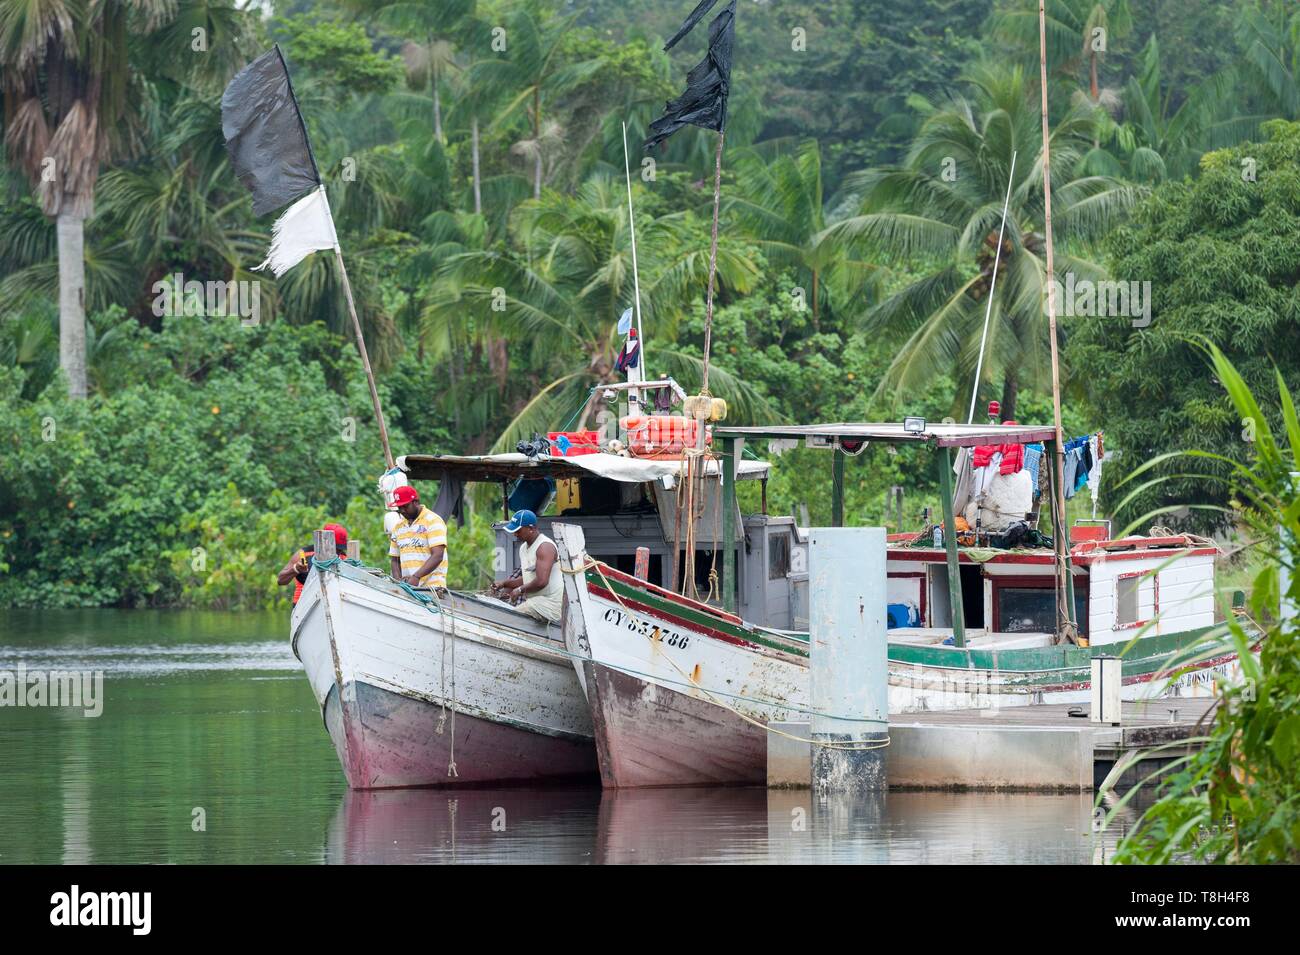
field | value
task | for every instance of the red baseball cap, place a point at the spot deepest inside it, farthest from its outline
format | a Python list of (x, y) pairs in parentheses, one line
[(340, 535), (404, 494)]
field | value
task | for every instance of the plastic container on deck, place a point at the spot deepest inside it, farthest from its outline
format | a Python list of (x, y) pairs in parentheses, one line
[(580, 442), (660, 436)]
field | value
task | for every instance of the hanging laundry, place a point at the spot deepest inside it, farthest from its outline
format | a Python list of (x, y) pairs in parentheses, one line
[(963, 480), (1094, 473), (981, 456), (630, 353), (664, 401), (1033, 456), (983, 474), (1012, 460), (1078, 464), (1073, 456)]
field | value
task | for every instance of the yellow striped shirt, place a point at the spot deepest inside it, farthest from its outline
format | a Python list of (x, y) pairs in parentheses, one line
[(414, 541)]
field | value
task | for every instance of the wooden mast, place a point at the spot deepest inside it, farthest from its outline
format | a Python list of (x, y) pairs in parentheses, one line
[(1065, 627)]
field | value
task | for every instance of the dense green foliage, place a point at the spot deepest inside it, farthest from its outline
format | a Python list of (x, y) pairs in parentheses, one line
[(1237, 798), (1222, 254), (479, 199)]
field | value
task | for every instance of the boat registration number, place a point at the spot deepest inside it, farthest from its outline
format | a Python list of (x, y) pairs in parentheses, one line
[(671, 637)]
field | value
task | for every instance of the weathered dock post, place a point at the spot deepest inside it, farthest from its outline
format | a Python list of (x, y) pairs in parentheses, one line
[(847, 660), (324, 544), (1107, 685)]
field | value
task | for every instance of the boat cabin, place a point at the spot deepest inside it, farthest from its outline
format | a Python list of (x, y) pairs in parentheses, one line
[(623, 504), (940, 592), (1154, 584)]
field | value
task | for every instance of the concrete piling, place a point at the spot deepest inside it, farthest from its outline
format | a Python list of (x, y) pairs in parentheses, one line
[(848, 664)]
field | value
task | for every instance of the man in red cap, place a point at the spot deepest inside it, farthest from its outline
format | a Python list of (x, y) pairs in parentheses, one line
[(418, 542), (300, 563)]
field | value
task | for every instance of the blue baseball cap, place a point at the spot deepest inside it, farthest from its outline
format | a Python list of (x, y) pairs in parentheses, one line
[(521, 519)]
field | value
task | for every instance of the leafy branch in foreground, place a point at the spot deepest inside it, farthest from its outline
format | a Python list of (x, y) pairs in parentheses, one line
[(1237, 799)]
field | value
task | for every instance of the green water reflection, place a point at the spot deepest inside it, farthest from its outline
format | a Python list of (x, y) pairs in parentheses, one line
[(210, 711)]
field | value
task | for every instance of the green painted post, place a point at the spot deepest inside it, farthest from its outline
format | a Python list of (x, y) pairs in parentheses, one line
[(727, 464), (950, 545), (837, 488)]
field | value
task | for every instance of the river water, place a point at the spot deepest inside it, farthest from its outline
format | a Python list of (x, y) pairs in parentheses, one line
[(210, 748)]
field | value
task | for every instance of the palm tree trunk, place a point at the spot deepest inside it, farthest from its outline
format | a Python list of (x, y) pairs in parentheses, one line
[(478, 193), (815, 323), (72, 301), (1095, 93), (1010, 390), (437, 113), (537, 138)]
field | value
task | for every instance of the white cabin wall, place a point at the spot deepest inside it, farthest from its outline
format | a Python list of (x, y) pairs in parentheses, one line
[(1186, 595)]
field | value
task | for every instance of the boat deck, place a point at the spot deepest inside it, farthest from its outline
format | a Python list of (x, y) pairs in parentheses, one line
[(1145, 723)]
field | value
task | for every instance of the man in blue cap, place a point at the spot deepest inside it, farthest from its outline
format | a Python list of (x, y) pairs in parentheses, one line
[(540, 586)]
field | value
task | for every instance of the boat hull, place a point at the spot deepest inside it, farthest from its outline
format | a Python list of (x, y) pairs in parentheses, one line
[(460, 697), (651, 735)]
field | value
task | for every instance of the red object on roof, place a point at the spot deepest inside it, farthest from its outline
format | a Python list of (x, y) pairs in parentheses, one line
[(580, 442)]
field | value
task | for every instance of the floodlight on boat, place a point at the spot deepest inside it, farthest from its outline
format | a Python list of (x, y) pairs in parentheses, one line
[(914, 425)]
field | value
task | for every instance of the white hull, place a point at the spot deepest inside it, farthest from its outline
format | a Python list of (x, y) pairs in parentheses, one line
[(681, 694), (393, 680)]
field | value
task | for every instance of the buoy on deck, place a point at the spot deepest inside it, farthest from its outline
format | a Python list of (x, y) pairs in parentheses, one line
[(704, 408)]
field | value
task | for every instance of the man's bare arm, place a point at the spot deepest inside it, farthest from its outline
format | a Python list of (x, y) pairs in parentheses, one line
[(546, 557), (291, 570)]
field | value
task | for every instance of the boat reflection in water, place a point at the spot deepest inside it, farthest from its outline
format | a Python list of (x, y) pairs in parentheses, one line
[(719, 825)]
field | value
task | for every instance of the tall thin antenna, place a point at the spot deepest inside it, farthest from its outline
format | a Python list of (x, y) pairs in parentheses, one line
[(636, 279), (988, 309)]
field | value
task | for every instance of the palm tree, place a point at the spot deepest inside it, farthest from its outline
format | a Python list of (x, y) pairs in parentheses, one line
[(939, 213), (560, 298), (1271, 38), (67, 70), (1078, 31), (779, 202), (431, 30), (1155, 141), (530, 63)]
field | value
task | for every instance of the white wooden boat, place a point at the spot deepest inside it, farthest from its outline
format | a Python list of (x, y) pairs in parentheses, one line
[(682, 692), (406, 691)]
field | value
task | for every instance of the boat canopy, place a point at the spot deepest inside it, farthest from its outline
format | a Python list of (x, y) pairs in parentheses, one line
[(894, 432), (506, 467)]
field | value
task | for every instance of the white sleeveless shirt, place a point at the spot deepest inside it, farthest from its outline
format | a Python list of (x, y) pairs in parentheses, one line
[(553, 593)]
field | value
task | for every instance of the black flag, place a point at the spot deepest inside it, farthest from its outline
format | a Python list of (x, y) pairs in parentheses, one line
[(703, 7), (265, 134), (704, 103)]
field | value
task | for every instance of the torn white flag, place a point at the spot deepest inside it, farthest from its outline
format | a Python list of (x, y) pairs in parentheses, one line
[(305, 227)]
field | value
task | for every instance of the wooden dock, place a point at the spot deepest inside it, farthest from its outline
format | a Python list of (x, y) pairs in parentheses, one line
[(1026, 748)]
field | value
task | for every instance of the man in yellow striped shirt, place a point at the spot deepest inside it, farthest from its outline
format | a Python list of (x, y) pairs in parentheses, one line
[(418, 543)]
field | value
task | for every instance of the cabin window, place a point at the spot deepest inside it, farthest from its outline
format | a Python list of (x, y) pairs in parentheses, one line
[(778, 556), (1129, 589), (1027, 610), (1033, 609)]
